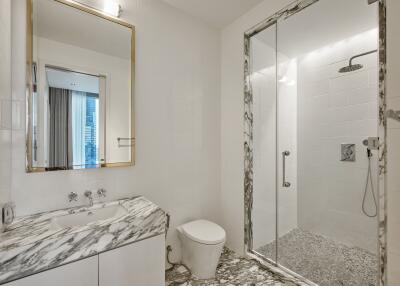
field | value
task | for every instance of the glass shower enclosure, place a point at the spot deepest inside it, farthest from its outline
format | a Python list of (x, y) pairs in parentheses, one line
[(312, 91)]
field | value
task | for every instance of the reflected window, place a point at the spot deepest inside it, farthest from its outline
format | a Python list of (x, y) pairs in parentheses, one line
[(72, 120)]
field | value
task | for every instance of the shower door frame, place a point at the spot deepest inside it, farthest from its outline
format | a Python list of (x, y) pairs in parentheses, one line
[(285, 13)]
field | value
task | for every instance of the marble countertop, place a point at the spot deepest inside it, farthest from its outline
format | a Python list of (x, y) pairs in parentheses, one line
[(33, 244)]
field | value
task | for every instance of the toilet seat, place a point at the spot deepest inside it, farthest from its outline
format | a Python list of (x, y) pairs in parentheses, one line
[(204, 232)]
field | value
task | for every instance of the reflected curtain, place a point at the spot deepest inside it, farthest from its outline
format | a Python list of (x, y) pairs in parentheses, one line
[(60, 149), (79, 127)]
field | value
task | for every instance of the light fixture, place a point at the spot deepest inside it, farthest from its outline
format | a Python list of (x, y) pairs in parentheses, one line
[(109, 7), (112, 7)]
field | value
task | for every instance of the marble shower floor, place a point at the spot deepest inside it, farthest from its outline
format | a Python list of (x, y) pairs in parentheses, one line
[(232, 271), (324, 261)]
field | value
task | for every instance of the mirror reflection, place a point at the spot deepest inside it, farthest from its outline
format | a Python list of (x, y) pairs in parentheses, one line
[(73, 108), (80, 106)]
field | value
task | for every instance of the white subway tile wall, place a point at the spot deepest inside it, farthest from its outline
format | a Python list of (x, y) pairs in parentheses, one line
[(5, 100), (336, 108)]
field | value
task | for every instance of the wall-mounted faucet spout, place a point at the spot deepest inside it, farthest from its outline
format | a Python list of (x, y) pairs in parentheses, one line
[(89, 195)]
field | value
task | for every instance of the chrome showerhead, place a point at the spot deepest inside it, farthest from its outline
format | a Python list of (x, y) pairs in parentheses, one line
[(355, 67), (350, 68)]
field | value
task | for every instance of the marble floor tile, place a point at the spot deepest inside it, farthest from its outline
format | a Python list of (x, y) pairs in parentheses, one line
[(232, 271)]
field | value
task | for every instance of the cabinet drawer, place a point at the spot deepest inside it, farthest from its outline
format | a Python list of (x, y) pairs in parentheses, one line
[(80, 273), (141, 263)]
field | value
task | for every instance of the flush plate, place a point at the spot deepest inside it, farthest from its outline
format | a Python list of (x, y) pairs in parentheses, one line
[(348, 152)]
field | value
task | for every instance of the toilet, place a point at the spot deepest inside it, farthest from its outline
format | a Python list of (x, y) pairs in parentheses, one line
[(202, 245)]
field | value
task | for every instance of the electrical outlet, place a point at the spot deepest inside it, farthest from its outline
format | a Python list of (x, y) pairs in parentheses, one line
[(8, 213)]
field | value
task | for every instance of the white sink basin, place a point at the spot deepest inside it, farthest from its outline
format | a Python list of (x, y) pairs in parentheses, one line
[(87, 217)]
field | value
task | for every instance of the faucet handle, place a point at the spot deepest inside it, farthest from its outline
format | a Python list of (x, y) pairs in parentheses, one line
[(101, 192), (72, 196), (88, 194)]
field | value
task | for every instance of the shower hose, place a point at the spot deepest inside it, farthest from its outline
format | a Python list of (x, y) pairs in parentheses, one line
[(369, 180)]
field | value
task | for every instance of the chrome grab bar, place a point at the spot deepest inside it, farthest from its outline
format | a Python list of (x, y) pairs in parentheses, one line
[(285, 184)]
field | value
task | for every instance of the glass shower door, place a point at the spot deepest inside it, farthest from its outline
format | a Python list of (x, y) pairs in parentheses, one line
[(314, 181), (326, 229), (263, 84)]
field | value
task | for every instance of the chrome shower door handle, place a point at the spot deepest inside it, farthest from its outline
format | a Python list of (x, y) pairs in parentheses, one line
[(285, 184)]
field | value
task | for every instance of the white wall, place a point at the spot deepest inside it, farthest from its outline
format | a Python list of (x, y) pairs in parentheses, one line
[(393, 178), (177, 122), (5, 101), (337, 108)]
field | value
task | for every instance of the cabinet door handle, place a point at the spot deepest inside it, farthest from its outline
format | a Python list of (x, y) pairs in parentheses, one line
[(285, 184)]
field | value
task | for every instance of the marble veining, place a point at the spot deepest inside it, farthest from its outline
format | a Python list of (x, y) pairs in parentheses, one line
[(32, 244), (382, 131)]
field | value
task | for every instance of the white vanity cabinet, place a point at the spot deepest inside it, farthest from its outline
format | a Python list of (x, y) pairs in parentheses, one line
[(138, 264), (81, 273), (141, 263)]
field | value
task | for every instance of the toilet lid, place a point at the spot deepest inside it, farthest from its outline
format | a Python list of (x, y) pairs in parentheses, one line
[(205, 232)]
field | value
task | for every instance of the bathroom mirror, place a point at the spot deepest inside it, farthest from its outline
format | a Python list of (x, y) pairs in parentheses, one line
[(80, 88)]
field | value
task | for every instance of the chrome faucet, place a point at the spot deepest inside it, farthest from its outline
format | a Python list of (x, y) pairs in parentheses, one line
[(72, 196), (101, 193), (88, 194)]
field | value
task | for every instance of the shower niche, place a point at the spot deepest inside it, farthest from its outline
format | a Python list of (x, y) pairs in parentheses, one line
[(312, 84)]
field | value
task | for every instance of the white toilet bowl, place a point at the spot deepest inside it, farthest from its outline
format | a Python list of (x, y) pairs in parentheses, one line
[(202, 245)]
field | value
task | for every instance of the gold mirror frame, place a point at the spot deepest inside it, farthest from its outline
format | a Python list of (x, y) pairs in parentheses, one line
[(29, 84)]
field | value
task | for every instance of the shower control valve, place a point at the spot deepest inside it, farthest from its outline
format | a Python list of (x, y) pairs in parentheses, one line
[(286, 184)]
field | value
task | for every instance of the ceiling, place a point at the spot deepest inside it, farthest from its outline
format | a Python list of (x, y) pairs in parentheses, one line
[(319, 25), (218, 13)]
